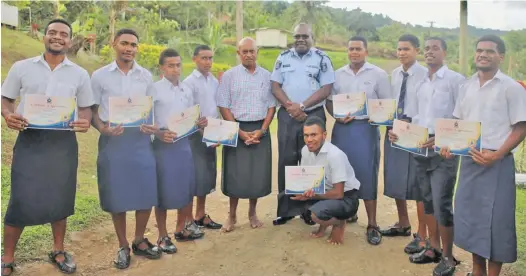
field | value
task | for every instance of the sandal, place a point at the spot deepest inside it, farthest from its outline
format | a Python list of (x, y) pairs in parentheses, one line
[(211, 225), (186, 235), (168, 247), (444, 268), (11, 266), (151, 252), (396, 231), (414, 246), (423, 258), (307, 218), (374, 236), (67, 266), (123, 258)]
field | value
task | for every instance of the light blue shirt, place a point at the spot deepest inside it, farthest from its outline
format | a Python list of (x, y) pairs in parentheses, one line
[(301, 77), (168, 99), (436, 98), (204, 90), (370, 79)]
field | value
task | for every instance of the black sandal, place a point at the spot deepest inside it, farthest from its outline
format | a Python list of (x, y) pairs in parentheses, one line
[(187, 236), (423, 258), (168, 247), (396, 231), (374, 236), (211, 225), (445, 269), (152, 252), (11, 266), (123, 258), (307, 218), (414, 246), (67, 266)]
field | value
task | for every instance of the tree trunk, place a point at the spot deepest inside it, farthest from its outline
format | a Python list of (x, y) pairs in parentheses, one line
[(463, 58), (113, 14), (239, 22), (57, 8)]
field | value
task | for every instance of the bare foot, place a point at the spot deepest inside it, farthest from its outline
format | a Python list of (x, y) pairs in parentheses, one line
[(319, 233), (229, 224), (337, 233), (255, 222)]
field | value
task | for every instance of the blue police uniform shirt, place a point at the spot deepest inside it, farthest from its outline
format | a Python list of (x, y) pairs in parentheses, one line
[(301, 77)]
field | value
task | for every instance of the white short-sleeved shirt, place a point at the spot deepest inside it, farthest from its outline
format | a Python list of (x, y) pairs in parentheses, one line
[(417, 74), (34, 76), (436, 98), (499, 104), (204, 90), (110, 81), (168, 98), (337, 166), (370, 79)]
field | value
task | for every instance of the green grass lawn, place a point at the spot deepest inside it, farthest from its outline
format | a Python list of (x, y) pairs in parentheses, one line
[(520, 215)]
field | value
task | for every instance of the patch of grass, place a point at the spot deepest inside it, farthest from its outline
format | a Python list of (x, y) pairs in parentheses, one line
[(520, 216)]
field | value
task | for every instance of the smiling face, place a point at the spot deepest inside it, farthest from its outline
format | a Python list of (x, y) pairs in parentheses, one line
[(434, 53), (57, 39), (314, 136), (356, 52), (303, 39), (125, 47), (487, 57)]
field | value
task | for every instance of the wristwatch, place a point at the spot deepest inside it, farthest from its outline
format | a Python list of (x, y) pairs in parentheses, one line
[(302, 107)]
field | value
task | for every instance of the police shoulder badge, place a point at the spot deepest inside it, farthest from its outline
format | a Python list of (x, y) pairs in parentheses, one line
[(324, 66), (278, 65)]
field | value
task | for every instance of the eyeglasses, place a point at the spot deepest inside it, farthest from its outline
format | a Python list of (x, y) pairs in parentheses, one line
[(302, 36)]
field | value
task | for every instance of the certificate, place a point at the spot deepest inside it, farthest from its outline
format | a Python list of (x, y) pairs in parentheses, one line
[(382, 112), (131, 111), (184, 123), (299, 179), (221, 132), (353, 103), (458, 135), (410, 137), (50, 112)]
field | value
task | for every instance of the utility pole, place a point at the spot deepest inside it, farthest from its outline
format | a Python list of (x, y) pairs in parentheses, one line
[(430, 27), (239, 23), (463, 59)]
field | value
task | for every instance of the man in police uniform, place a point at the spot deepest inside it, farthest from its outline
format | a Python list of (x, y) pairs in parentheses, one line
[(301, 81)]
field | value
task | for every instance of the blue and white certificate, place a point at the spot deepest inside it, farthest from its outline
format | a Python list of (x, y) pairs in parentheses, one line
[(411, 137), (351, 104), (299, 179), (382, 112), (457, 135), (132, 111), (184, 123), (50, 112), (221, 132)]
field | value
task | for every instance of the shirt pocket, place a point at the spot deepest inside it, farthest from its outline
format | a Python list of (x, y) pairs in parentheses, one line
[(312, 72), (64, 89), (442, 102), (368, 88)]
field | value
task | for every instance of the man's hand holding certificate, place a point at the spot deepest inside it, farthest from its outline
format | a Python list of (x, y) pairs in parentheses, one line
[(184, 123), (134, 111), (457, 136), (349, 105), (409, 137), (221, 132), (382, 112), (301, 179), (51, 112)]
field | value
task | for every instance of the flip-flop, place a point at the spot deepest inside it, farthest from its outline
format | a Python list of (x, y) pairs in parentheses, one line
[(11, 266)]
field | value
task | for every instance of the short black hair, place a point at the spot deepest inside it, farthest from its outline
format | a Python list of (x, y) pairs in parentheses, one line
[(315, 120), (200, 48), (501, 46), (443, 43), (359, 38), (126, 31), (411, 39), (61, 21), (167, 53)]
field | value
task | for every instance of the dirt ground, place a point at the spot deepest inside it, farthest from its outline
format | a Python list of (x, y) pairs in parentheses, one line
[(272, 250)]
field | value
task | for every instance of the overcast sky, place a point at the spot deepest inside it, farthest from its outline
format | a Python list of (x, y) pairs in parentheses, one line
[(506, 14)]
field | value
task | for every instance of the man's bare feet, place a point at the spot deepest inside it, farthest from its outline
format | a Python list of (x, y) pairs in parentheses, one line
[(229, 224), (319, 233), (337, 233), (255, 222)]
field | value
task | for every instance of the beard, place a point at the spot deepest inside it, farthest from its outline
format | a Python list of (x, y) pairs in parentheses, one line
[(55, 52), (485, 68)]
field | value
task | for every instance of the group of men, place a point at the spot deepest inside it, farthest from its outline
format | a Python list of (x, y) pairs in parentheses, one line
[(136, 173)]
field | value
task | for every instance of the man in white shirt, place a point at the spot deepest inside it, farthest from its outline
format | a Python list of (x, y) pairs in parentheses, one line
[(204, 89), (364, 152), (340, 201), (436, 176), (399, 168), (485, 198), (44, 167)]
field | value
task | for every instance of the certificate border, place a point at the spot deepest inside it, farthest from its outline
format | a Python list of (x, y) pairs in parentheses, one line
[(150, 120), (465, 151), (73, 116), (318, 190), (361, 112), (193, 129), (229, 143), (417, 151)]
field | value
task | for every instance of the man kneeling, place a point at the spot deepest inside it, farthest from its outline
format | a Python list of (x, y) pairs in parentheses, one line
[(340, 201)]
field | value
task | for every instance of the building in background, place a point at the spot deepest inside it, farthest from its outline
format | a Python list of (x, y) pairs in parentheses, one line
[(271, 38), (9, 16)]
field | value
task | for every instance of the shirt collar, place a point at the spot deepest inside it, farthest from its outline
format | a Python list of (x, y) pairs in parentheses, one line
[(256, 71), (170, 84), (40, 58), (440, 73), (198, 74), (135, 67), (498, 76), (366, 66), (411, 70)]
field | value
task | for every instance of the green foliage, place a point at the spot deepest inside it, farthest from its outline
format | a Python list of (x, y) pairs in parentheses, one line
[(147, 56)]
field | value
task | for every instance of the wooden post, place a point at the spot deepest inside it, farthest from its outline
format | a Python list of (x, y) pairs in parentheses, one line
[(463, 59)]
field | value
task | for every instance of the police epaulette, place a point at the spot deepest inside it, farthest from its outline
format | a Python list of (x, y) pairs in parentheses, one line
[(285, 52), (321, 53)]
